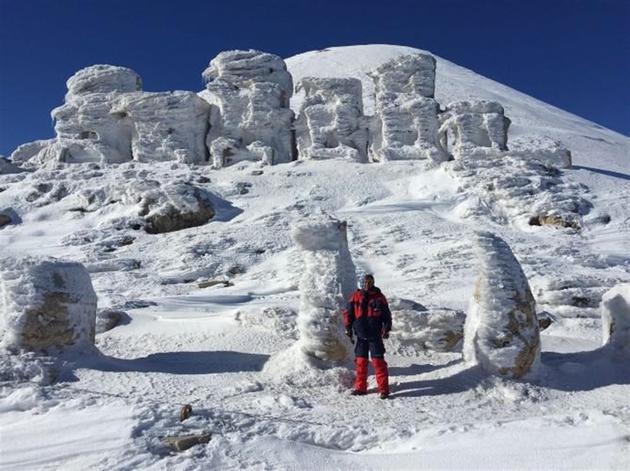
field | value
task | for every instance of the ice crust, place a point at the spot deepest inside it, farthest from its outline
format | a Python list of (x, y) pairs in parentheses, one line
[(501, 332)]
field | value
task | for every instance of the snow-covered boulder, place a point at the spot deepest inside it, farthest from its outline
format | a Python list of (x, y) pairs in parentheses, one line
[(547, 151), (166, 126), (501, 333), (27, 151), (327, 281), (173, 207), (87, 127), (250, 92), (8, 216), (45, 304), (406, 122), (419, 328), (467, 125), (107, 319), (615, 309), (330, 123)]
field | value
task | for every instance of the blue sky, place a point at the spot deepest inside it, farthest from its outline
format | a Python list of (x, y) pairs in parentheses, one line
[(574, 54)]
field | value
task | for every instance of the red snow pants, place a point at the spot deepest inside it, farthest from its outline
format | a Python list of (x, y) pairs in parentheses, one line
[(361, 372)]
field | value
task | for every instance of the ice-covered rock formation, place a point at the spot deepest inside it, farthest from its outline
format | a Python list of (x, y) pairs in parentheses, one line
[(330, 123), (7, 167), (87, 128), (467, 125), (328, 279), (501, 333), (406, 122), (545, 150), (166, 125), (45, 304), (615, 309), (419, 328), (251, 118), (511, 187)]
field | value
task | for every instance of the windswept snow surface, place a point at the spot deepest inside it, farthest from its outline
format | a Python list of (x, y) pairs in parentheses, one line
[(205, 303)]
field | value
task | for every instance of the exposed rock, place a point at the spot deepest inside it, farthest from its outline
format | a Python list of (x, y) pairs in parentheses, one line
[(184, 442), (330, 123), (166, 126), (174, 206), (501, 331), (45, 304), (251, 118), (5, 219), (107, 319), (185, 412), (406, 122), (556, 220), (615, 309), (210, 283), (467, 125), (545, 319)]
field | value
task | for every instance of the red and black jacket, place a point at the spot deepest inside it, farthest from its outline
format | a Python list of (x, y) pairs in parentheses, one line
[(368, 314)]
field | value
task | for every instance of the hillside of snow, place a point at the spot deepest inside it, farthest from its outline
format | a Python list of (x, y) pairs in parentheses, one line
[(208, 306)]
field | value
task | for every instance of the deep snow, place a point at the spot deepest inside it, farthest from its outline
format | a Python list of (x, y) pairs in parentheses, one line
[(202, 346)]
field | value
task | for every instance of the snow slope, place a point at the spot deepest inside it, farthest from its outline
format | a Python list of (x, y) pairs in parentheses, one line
[(207, 346)]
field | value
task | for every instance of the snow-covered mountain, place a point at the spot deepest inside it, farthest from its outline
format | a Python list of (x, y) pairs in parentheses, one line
[(207, 306)]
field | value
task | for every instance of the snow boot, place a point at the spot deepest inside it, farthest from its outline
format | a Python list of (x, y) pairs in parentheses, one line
[(361, 374)]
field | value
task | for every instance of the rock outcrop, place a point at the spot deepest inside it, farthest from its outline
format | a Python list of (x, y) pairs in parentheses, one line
[(87, 128), (173, 207), (501, 332), (251, 118), (406, 122), (7, 167), (45, 305), (615, 309), (331, 123), (467, 125), (166, 126)]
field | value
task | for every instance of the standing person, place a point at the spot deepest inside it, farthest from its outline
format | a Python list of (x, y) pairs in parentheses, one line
[(368, 315)]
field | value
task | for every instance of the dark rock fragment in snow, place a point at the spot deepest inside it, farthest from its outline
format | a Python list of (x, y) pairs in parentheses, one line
[(107, 319), (183, 442)]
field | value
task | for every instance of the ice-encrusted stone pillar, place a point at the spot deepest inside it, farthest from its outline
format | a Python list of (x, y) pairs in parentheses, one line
[(328, 279), (251, 118), (87, 129), (406, 120), (615, 308), (331, 123), (467, 125), (45, 305), (167, 125), (501, 332)]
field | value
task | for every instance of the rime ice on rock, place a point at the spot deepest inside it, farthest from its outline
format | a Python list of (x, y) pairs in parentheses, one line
[(166, 125), (467, 125), (328, 279), (406, 122), (615, 310), (501, 333), (330, 123), (545, 150), (251, 118), (45, 304), (87, 129)]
